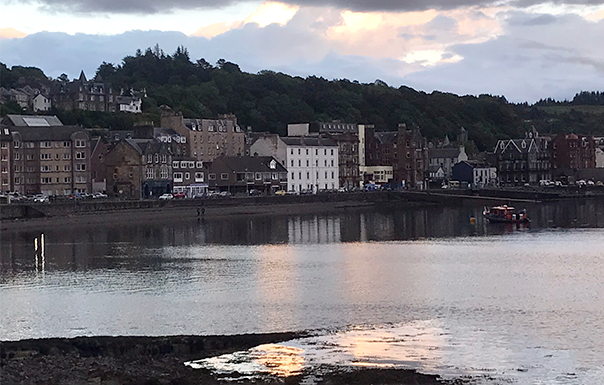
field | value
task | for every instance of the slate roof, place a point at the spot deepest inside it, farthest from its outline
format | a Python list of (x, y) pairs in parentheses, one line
[(251, 163), (310, 141), (386, 136), (36, 134), (443, 153), (32, 121)]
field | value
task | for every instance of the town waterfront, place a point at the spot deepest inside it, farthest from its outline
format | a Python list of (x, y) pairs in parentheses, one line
[(419, 288)]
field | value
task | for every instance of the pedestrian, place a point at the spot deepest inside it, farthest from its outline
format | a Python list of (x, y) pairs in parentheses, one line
[(198, 212)]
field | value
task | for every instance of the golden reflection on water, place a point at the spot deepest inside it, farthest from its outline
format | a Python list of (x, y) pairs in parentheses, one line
[(280, 360)]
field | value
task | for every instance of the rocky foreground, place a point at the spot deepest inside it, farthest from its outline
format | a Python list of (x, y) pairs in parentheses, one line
[(159, 360)]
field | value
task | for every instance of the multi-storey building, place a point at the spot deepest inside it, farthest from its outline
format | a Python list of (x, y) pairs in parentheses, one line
[(50, 160), (207, 139), (242, 174), (189, 176), (139, 168), (521, 161), (573, 151), (346, 135), (411, 165), (312, 163), (84, 94), (6, 141)]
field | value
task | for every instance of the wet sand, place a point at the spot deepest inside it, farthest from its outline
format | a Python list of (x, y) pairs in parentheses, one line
[(160, 360)]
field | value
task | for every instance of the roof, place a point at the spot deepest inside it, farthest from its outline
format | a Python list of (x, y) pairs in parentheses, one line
[(443, 152), (309, 141), (32, 121), (251, 163), (337, 127), (36, 134), (386, 136)]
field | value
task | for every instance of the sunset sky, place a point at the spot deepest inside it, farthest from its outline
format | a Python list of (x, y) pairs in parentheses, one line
[(524, 49)]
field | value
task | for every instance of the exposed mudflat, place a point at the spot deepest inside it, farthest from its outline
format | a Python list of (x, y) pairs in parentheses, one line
[(160, 360)]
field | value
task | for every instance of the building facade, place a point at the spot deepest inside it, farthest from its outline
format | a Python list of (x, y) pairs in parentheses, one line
[(573, 151), (50, 160), (207, 139), (522, 161), (189, 176), (410, 167), (242, 174), (312, 164)]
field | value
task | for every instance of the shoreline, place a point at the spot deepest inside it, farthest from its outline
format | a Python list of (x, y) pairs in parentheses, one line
[(160, 360)]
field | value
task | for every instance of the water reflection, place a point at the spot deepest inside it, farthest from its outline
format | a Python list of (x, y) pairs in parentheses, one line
[(115, 246)]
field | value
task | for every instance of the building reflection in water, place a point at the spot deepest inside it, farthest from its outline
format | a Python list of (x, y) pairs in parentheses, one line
[(139, 245)]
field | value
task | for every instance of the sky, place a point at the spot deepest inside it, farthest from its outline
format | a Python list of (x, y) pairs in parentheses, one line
[(524, 50)]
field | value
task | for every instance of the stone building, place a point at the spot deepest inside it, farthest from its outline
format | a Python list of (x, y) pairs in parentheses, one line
[(242, 174), (207, 139), (139, 168), (50, 160), (522, 161), (411, 165), (6, 141), (84, 94), (573, 151), (189, 176)]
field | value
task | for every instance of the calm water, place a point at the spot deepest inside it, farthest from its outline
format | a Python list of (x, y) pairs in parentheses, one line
[(418, 288)]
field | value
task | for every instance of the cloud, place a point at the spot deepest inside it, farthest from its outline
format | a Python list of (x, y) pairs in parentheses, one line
[(160, 6), (529, 61), (11, 33)]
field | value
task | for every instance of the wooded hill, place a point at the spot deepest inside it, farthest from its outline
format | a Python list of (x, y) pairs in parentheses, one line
[(268, 101)]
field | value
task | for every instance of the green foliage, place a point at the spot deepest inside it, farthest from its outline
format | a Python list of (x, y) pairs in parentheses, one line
[(269, 100)]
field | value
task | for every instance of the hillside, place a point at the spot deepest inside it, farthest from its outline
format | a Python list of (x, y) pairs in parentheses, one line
[(268, 101)]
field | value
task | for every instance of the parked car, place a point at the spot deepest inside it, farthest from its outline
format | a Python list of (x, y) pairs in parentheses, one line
[(41, 199), (165, 197), (225, 194), (179, 195), (280, 192), (99, 195)]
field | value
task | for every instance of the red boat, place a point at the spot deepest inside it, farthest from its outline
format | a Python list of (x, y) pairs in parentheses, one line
[(505, 214)]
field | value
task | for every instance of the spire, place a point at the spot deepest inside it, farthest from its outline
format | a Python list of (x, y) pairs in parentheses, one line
[(82, 77)]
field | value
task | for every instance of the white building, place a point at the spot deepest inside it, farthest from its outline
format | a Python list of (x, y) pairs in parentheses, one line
[(130, 104), (40, 103), (312, 164)]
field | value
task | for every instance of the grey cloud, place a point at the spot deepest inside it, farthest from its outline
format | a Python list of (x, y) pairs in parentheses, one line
[(550, 61), (158, 6)]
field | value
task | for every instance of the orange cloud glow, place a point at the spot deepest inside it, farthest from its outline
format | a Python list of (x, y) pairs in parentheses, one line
[(11, 33)]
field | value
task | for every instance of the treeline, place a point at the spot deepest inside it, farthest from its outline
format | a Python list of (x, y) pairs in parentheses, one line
[(268, 101)]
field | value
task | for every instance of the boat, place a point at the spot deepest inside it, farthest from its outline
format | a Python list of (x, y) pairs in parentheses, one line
[(505, 214)]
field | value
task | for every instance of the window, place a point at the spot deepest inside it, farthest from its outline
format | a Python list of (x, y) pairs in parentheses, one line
[(307, 163), (150, 173), (80, 143), (45, 168), (212, 176), (45, 156), (293, 176), (292, 162), (57, 156), (332, 163), (316, 151), (198, 164), (66, 144), (332, 151), (81, 167), (149, 158), (175, 164), (299, 163), (177, 176), (275, 176), (27, 157), (291, 152), (4, 145), (80, 179), (164, 158), (300, 175), (67, 179), (164, 172), (45, 180), (156, 158), (17, 180), (325, 176), (42, 145), (16, 144), (66, 156), (80, 155), (67, 167), (307, 175), (332, 175), (224, 176), (258, 176), (187, 175), (199, 177), (307, 151)]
